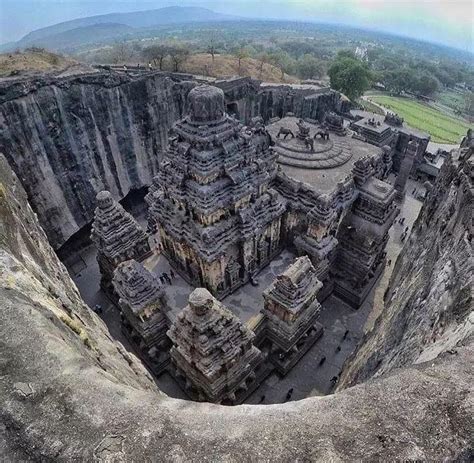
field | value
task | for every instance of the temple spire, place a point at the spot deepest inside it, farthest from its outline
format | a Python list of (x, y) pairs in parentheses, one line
[(118, 237), (212, 351)]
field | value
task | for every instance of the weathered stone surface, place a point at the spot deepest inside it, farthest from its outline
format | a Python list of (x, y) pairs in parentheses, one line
[(69, 138), (117, 236), (218, 220), (213, 350), (429, 305), (98, 403)]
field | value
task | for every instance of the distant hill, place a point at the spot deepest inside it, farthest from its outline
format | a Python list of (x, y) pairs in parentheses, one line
[(139, 19), (81, 36)]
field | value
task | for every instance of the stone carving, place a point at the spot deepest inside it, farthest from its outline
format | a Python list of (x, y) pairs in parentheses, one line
[(393, 119), (142, 301), (118, 237), (335, 123), (303, 130), (291, 310), (285, 132), (212, 351), (322, 133), (309, 143), (212, 199)]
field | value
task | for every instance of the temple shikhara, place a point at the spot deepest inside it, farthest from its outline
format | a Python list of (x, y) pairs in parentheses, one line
[(218, 218), (227, 201)]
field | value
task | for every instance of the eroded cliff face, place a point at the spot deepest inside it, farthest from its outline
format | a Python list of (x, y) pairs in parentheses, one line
[(69, 138), (70, 393), (429, 305)]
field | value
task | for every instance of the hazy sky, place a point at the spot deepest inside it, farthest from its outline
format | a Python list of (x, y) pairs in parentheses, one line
[(445, 21)]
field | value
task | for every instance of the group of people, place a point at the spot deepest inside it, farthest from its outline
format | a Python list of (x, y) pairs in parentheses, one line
[(165, 278)]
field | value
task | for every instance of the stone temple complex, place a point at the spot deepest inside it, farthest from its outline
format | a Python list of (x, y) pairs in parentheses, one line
[(227, 200)]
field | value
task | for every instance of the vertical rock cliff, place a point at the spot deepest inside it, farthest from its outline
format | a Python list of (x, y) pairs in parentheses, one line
[(68, 139), (429, 304)]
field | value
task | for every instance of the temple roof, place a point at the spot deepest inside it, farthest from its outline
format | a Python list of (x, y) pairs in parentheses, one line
[(295, 286), (114, 230), (136, 286), (208, 336)]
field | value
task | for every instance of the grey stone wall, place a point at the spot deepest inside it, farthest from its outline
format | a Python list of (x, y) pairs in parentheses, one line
[(429, 305)]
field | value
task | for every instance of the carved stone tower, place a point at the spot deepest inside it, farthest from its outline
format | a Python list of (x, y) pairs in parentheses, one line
[(213, 352), (143, 305), (291, 311), (218, 220), (118, 238)]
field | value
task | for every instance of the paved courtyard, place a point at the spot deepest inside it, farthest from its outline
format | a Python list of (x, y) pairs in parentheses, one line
[(307, 378)]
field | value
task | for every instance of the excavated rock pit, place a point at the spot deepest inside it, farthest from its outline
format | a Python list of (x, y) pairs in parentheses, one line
[(71, 392)]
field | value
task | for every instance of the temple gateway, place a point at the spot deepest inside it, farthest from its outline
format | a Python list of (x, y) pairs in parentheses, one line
[(228, 200)]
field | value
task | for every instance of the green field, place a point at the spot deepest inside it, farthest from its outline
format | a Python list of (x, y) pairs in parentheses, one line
[(442, 127)]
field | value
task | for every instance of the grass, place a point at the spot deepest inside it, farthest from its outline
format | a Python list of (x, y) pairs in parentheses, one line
[(368, 106), (227, 65), (443, 128), (74, 326), (452, 99), (35, 60)]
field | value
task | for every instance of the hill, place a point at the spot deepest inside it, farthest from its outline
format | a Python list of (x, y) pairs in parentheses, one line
[(83, 36), (36, 60), (227, 65), (139, 19)]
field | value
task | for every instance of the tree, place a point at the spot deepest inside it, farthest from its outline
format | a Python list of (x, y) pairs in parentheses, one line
[(241, 53), (400, 80), (349, 76), (156, 53), (178, 55), (263, 58), (425, 84), (120, 53), (309, 67), (284, 61)]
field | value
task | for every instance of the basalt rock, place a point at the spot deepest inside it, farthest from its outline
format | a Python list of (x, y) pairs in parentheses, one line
[(70, 393), (429, 303), (69, 138)]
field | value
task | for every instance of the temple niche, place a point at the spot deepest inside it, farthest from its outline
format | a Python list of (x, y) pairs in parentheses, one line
[(291, 310), (143, 305), (117, 236), (218, 218), (213, 352)]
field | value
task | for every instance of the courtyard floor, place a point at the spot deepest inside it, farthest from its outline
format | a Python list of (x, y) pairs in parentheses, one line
[(307, 378)]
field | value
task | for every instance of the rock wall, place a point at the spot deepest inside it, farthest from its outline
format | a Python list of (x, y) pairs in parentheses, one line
[(429, 304), (69, 138)]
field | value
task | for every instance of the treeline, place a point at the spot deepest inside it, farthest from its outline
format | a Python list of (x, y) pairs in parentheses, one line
[(400, 69), (401, 72)]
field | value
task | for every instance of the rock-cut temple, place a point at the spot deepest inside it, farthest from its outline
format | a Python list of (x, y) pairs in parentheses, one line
[(227, 200)]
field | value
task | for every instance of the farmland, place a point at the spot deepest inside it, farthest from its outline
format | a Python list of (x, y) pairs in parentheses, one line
[(442, 127)]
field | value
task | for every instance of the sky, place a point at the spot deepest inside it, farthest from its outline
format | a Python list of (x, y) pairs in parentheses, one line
[(443, 21)]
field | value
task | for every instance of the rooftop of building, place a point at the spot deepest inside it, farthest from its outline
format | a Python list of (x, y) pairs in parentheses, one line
[(366, 115), (331, 162)]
